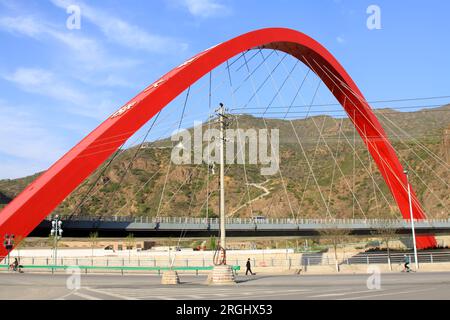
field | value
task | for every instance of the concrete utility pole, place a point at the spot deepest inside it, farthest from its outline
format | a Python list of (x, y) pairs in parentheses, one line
[(222, 273), (222, 122), (412, 221)]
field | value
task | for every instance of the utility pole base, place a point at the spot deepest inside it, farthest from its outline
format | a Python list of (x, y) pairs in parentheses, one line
[(170, 277), (221, 275)]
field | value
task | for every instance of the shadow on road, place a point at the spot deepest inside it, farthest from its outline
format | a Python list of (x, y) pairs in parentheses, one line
[(253, 278)]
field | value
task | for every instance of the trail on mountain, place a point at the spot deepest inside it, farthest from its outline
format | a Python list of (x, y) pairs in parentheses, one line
[(248, 203)]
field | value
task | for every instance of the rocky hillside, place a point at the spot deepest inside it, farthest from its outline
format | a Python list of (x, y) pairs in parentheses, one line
[(419, 137)]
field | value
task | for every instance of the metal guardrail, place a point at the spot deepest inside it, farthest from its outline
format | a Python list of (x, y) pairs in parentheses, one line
[(289, 261), (121, 268), (377, 259)]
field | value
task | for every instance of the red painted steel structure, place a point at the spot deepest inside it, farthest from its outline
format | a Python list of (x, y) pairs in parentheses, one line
[(42, 196)]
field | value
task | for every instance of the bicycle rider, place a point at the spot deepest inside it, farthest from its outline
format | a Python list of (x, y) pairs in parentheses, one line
[(16, 266)]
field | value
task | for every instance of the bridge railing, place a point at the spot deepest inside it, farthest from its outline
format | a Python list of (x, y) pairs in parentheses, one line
[(259, 221)]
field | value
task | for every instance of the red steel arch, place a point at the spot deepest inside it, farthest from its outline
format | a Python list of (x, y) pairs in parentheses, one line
[(42, 196)]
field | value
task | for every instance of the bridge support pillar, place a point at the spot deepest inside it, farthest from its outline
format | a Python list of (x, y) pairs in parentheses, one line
[(170, 277), (221, 275)]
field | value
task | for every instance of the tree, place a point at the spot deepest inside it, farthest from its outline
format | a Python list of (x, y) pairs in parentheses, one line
[(336, 236), (129, 243), (212, 243), (387, 232), (93, 238), (50, 241)]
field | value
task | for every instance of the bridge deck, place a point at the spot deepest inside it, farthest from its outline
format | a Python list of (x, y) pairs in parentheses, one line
[(152, 227)]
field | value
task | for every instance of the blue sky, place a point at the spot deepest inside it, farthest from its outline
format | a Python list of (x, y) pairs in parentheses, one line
[(56, 84)]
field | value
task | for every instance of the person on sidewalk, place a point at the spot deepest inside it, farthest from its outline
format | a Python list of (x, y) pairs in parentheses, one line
[(407, 262), (249, 268)]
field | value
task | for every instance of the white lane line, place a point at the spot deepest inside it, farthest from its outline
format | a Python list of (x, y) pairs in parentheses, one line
[(319, 291), (85, 296), (293, 292), (114, 295), (65, 296), (273, 294), (388, 294), (154, 297), (341, 294), (157, 294), (283, 291), (126, 292), (195, 297)]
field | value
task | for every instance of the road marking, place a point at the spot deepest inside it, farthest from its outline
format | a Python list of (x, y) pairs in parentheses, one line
[(115, 295), (342, 293), (85, 296), (195, 297), (64, 296), (291, 291), (388, 294), (274, 294), (193, 293)]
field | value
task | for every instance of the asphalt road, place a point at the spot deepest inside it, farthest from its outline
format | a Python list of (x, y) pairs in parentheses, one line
[(260, 287)]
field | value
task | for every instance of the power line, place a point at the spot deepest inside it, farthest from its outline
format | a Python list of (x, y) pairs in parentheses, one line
[(337, 104), (432, 108), (410, 99)]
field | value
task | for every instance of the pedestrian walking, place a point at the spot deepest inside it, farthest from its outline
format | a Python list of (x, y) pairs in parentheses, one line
[(249, 268), (407, 261)]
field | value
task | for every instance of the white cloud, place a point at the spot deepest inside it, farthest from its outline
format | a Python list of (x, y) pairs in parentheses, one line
[(202, 8), (205, 8), (45, 83), (340, 39), (109, 80), (89, 53), (86, 62), (33, 146), (22, 25), (83, 58), (123, 33)]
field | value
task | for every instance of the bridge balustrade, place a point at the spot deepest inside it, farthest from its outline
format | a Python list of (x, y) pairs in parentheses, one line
[(376, 223)]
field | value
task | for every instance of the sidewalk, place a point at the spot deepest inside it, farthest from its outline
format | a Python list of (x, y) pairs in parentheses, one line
[(311, 270)]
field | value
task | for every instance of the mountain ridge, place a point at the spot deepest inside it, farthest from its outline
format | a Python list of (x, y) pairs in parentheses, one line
[(296, 193)]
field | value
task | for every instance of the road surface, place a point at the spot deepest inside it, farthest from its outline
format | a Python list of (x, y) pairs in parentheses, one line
[(259, 287)]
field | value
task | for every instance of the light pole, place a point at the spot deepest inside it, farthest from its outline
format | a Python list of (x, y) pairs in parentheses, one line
[(56, 232), (412, 220)]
